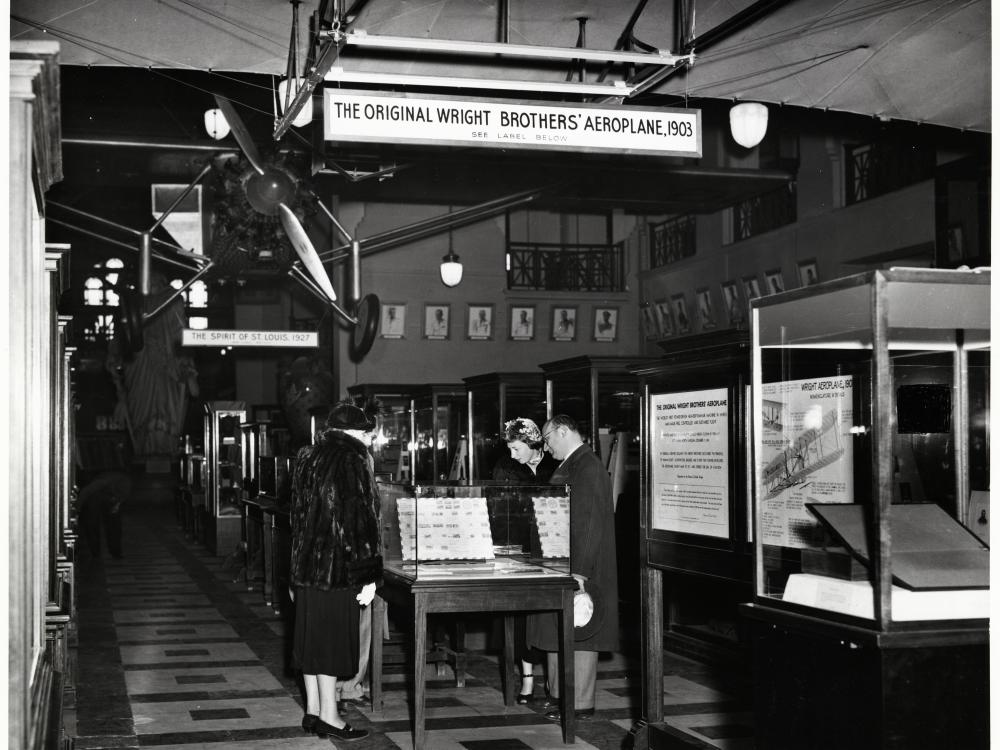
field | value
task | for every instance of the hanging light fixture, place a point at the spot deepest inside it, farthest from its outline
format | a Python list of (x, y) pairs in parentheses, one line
[(451, 266), (748, 123), (216, 124)]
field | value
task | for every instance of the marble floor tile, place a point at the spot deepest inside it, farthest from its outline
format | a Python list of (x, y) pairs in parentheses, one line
[(546, 736), (680, 690), (207, 716), (167, 614), (204, 679), (186, 653), (174, 632)]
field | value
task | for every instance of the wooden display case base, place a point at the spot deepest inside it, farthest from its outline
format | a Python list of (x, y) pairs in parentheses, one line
[(818, 685)]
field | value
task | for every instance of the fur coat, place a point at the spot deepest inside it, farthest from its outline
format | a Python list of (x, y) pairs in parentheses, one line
[(336, 540)]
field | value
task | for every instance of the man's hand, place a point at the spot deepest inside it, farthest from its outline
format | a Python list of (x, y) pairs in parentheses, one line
[(366, 595)]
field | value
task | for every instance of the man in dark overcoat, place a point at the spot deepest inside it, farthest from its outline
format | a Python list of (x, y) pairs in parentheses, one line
[(593, 562)]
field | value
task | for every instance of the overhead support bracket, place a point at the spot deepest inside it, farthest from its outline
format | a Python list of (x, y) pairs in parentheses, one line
[(454, 46), (617, 88)]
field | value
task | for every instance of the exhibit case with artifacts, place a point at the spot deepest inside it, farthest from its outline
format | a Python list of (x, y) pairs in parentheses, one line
[(483, 531), (496, 398), (455, 548), (870, 407), (391, 448), (600, 393), (224, 475), (439, 413)]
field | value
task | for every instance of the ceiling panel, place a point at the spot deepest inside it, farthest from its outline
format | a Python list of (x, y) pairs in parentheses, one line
[(917, 60)]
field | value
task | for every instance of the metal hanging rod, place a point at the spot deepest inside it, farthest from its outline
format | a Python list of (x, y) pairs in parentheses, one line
[(455, 46)]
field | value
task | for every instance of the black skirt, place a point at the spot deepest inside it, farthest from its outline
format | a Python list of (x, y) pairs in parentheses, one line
[(326, 632)]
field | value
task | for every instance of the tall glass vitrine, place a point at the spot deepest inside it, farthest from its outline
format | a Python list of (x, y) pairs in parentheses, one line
[(493, 399), (439, 423), (392, 445), (870, 425)]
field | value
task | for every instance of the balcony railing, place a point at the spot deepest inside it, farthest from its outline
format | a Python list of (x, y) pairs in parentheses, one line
[(567, 268), (765, 212), (671, 240), (880, 167)]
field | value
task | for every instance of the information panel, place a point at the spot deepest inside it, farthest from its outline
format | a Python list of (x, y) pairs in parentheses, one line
[(355, 116), (689, 452), (805, 456)]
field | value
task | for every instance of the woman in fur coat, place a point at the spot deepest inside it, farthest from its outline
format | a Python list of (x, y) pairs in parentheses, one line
[(336, 560)]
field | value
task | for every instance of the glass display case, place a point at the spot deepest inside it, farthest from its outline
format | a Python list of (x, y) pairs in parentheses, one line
[(600, 393), (870, 439), (492, 531), (439, 423), (224, 464), (868, 446), (392, 445), (494, 399)]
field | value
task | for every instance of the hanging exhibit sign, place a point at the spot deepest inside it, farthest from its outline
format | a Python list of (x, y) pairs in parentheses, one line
[(305, 339), (366, 117), (689, 439)]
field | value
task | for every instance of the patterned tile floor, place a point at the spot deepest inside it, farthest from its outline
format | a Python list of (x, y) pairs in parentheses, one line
[(172, 653)]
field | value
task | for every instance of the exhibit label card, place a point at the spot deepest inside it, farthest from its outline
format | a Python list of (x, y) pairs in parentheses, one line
[(444, 528), (552, 519), (689, 439), (805, 456)]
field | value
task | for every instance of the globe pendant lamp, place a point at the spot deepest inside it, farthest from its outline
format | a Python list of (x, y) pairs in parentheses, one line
[(748, 123), (215, 124), (451, 269), (451, 266)]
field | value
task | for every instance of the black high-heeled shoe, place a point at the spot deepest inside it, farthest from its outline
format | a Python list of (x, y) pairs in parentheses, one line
[(309, 723), (345, 733), (525, 699)]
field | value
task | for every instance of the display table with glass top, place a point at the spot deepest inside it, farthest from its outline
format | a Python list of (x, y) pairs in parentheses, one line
[(870, 403), (475, 548)]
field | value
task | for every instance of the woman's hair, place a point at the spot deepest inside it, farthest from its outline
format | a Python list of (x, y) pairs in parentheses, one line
[(525, 430)]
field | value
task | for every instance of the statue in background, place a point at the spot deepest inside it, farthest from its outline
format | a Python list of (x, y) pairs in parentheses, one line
[(154, 385)]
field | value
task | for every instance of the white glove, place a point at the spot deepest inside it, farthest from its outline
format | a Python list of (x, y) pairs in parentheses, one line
[(366, 595)]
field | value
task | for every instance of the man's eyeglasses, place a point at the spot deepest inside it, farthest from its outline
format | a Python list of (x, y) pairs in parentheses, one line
[(545, 436)]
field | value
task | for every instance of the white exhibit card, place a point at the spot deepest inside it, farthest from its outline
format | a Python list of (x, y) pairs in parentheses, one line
[(552, 518), (805, 456), (444, 528), (689, 453)]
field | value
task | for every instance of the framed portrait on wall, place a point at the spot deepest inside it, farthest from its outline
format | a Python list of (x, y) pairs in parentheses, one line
[(665, 318), (563, 323), (751, 288), (480, 323), (733, 303), (679, 307), (605, 323), (808, 273), (437, 319), (706, 311), (392, 320), (649, 324), (775, 281), (522, 322)]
